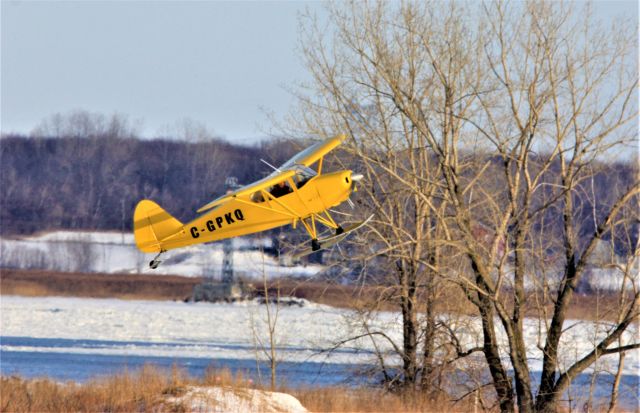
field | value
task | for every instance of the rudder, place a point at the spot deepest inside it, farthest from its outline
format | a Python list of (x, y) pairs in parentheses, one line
[(152, 224)]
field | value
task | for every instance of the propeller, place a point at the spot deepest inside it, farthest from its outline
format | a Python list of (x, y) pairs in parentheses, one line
[(355, 178)]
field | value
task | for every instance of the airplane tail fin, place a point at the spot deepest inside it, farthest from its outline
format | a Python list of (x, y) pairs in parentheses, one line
[(152, 224)]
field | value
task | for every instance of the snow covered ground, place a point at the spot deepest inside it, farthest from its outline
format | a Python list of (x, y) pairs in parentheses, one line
[(114, 252)]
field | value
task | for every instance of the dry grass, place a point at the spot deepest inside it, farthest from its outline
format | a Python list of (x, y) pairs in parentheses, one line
[(126, 392), (336, 399), (37, 283), (451, 299), (140, 391), (148, 388)]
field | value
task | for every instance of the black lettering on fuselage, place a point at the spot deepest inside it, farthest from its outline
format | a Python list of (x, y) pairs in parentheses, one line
[(211, 225)]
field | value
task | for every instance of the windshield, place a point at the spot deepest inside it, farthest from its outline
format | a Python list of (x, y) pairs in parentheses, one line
[(304, 171), (302, 175)]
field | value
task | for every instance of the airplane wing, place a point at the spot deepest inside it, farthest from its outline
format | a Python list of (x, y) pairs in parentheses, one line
[(266, 182), (314, 152), (306, 158)]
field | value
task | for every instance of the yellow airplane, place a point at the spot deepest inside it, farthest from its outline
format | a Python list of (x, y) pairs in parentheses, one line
[(293, 194)]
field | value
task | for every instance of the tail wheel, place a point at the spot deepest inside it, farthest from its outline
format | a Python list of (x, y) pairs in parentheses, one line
[(156, 261)]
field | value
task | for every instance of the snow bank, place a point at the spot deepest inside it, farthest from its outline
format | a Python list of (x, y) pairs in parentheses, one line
[(227, 399), (115, 252)]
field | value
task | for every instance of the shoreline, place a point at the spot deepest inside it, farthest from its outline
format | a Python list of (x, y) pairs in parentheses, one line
[(46, 283)]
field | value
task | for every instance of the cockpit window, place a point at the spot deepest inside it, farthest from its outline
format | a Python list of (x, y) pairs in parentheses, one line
[(280, 189), (301, 177), (257, 197), (303, 174), (304, 170)]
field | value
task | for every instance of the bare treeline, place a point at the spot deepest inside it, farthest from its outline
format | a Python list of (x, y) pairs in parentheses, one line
[(94, 181)]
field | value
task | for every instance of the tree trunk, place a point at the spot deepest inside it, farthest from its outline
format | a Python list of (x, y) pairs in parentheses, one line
[(409, 323), (429, 337), (501, 381), (518, 349)]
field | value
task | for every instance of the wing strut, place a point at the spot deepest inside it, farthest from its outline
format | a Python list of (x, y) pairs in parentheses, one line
[(313, 231), (270, 166)]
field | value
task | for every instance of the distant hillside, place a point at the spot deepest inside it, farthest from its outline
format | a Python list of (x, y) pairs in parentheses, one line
[(95, 183)]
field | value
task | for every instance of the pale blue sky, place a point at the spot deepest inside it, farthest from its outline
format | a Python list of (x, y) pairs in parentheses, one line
[(219, 63)]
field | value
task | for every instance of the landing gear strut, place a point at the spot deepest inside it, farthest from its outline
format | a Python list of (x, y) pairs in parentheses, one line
[(155, 261)]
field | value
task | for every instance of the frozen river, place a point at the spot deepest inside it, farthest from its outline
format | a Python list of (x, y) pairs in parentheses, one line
[(79, 338), (80, 360)]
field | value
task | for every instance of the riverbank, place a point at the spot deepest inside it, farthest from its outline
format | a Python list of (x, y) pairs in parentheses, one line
[(158, 390), (43, 283)]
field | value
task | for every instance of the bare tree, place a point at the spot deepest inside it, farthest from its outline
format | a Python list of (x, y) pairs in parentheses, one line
[(267, 346), (485, 129), (84, 124)]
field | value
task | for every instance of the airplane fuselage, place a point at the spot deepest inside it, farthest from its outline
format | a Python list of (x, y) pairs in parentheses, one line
[(245, 215)]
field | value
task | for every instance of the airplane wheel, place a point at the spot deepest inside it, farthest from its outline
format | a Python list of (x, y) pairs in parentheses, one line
[(339, 230), (315, 245), (154, 264)]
